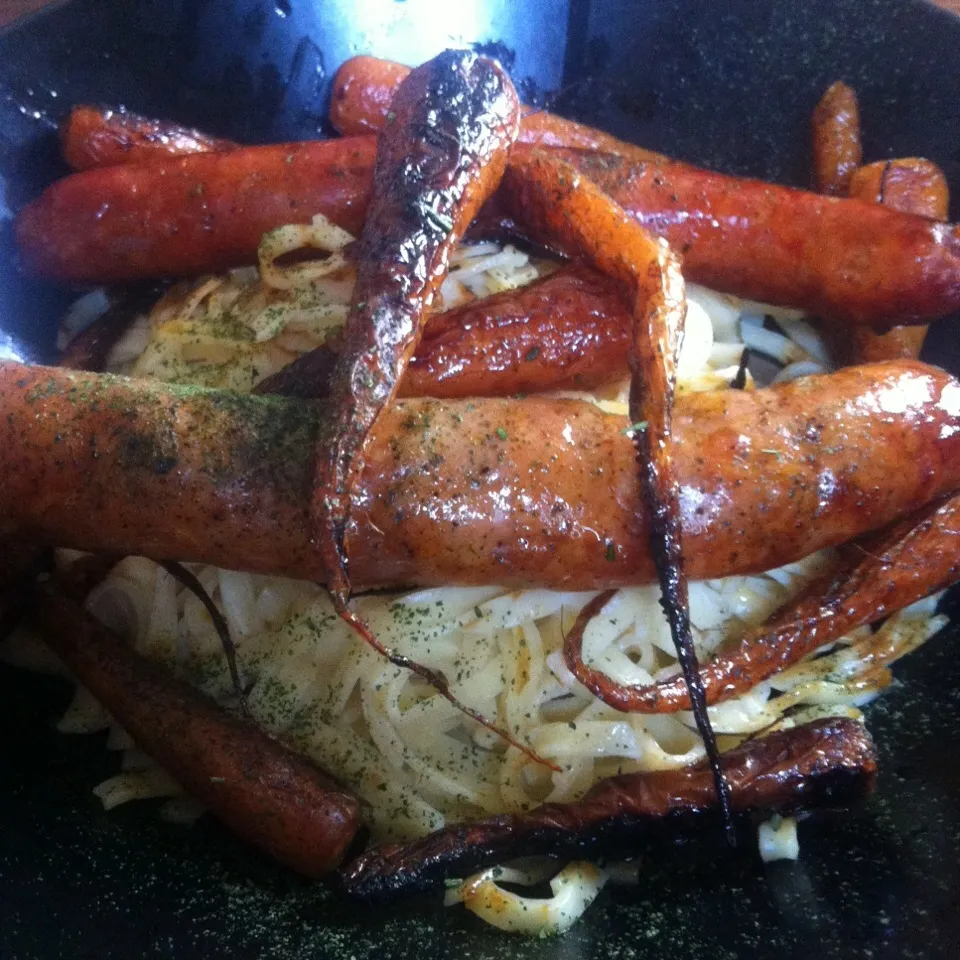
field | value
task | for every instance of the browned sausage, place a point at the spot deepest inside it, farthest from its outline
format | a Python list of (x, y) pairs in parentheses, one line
[(840, 258), (193, 214), (836, 140), (101, 137), (364, 87), (532, 492), (570, 330), (262, 791), (912, 185), (824, 764)]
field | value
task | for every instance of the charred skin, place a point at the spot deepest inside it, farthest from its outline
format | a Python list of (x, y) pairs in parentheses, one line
[(362, 98), (258, 788), (521, 493), (836, 140), (439, 159), (911, 185), (824, 764), (101, 137)]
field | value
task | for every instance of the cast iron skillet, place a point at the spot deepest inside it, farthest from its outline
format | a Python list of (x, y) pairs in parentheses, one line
[(728, 83)]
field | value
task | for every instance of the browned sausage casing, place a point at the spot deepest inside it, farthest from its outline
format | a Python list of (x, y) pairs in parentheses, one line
[(839, 258), (264, 792), (521, 493)]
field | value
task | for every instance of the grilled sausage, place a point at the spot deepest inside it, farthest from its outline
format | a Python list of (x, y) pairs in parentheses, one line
[(193, 214), (532, 492)]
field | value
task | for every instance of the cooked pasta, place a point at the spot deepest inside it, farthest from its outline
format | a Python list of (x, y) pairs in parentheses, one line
[(413, 759)]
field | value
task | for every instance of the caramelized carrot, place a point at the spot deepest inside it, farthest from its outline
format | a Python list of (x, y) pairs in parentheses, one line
[(101, 137), (262, 791), (836, 140)]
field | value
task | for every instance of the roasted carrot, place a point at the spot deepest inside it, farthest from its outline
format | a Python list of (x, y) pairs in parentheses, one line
[(912, 185), (102, 137), (262, 791), (836, 140)]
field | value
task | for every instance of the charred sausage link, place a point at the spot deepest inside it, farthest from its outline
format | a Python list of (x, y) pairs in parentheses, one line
[(258, 788), (439, 159), (854, 262), (824, 764), (188, 215), (835, 257), (569, 330)]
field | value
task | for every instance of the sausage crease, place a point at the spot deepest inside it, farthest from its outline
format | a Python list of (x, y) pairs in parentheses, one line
[(825, 764), (261, 790), (519, 493)]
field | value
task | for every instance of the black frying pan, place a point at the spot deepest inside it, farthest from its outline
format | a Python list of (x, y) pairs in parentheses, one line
[(725, 83)]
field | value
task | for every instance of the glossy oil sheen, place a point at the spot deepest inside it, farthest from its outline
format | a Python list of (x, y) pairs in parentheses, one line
[(729, 84)]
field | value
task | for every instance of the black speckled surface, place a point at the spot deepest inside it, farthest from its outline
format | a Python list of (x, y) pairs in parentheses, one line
[(726, 83)]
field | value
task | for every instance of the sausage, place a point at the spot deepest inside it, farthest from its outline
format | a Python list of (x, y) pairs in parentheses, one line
[(438, 161), (100, 137), (851, 261), (835, 257), (828, 763), (912, 185), (522, 493), (189, 215), (363, 91), (836, 140), (258, 788), (569, 330)]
